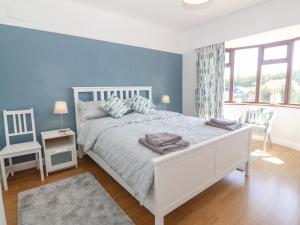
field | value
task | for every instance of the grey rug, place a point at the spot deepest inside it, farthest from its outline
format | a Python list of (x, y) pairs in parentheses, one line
[(78, 200)]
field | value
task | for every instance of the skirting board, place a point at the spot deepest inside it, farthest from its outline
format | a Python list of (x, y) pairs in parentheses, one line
[(278, 141)]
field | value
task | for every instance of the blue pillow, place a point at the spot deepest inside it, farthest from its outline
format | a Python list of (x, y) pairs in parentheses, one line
[(115, 107), (140, 104)]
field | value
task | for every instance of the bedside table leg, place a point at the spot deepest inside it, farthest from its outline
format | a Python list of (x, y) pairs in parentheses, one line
[(3, 174), (80, 152), (41, 165)]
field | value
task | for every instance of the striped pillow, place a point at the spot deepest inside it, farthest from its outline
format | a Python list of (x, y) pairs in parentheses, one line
[(140, 104), (115, 107)]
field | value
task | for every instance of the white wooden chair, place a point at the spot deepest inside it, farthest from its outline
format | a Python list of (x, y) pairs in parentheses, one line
[(261, 120), (19, 128)]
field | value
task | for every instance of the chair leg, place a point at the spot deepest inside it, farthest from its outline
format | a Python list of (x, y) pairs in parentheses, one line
[(3, 174), (41, 165), (11, 167), (270, 139), (265, 143), (37, 161)]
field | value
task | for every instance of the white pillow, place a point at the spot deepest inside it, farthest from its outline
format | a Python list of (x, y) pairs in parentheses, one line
[(115, 107), (140, 104), (127, 102), (91, 110)]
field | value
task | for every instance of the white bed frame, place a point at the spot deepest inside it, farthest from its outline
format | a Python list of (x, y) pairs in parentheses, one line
[(181, 175)]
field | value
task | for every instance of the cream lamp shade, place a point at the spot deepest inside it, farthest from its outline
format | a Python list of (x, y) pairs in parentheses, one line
[(60, 107), (165, 99)]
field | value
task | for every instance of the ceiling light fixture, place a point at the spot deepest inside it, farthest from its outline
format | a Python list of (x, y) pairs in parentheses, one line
[(195, 2)]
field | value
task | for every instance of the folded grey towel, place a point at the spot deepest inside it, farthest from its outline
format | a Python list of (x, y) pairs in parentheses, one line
[(162, 139), (222, 121), (179, 145), (228, 127)]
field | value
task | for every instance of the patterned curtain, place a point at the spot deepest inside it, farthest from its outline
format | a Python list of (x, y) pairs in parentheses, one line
[(210, 81)]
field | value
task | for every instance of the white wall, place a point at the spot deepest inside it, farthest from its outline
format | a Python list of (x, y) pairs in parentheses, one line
[(271, 15), (189, 80), (72, 18), (286, 125), (265, 17)]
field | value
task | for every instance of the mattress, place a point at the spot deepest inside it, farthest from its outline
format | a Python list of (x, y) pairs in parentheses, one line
[(116, 142)]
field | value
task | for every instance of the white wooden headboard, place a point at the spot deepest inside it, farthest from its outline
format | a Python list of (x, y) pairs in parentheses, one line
[(103, 93)]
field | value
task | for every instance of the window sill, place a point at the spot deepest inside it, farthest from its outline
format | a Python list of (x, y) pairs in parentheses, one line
[(264, 104)]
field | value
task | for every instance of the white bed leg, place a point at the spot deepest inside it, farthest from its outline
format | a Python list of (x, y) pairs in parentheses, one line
[(247, 169), (80, 151), (159, 220)]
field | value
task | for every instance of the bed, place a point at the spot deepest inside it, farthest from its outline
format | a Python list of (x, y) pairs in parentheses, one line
[(164, 181)]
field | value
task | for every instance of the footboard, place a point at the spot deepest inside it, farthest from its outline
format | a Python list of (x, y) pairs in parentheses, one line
[(180, 176)]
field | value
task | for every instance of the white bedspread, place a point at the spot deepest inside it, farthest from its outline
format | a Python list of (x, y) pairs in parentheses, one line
[(116, 142)]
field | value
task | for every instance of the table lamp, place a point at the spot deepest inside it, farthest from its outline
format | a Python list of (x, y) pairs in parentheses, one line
[(60, 107), (165, 100)]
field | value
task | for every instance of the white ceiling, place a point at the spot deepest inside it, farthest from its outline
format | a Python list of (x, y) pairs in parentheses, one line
[(173, 14)]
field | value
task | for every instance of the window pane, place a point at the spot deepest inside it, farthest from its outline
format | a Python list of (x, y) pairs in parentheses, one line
[(273, 79), (278, 52), (227, 57), (245, 70), (227, 83), (295, 86)]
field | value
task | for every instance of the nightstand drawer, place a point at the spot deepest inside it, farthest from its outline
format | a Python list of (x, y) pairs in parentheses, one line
[(63, 149), (60, 158), (59, 149)]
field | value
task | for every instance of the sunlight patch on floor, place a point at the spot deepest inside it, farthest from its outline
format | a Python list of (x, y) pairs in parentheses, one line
[(266, 157), (260, 153), (274, 160)]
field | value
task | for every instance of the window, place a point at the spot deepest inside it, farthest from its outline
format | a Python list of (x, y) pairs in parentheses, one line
[(278, 52), (295, 82), (226, 84), (273, 81), (227, 57), (245, 70), (268, 73)]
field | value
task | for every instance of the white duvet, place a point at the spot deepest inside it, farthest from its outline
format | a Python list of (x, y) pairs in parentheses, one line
[(116, 142)]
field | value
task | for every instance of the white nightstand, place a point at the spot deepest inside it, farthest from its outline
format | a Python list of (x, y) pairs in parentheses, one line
[(59, 149)]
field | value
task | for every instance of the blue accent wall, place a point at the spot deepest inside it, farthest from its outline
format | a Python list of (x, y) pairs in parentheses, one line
[(37, 68)]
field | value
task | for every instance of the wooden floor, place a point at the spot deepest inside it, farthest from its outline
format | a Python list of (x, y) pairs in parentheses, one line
[(270, 196)]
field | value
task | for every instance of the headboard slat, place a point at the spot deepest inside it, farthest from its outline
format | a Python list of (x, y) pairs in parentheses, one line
[(102, 96), (95, 95)]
